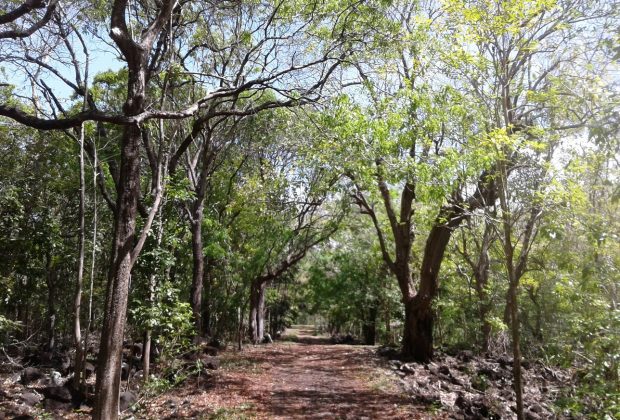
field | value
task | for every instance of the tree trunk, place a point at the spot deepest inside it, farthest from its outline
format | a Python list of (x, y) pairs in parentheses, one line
[(486, 327), (260, 313), (146, 355), (146, 348), (369, 329), (198, 270), (257, 311), (418, 331), (51, 303), (77, 302), (206, 310), (516, 348), (110, 353)]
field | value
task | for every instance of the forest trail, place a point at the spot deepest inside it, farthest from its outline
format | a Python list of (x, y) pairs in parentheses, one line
[(303, 379)]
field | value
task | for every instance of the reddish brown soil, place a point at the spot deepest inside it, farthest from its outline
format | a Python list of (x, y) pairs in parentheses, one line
[(307, 379)]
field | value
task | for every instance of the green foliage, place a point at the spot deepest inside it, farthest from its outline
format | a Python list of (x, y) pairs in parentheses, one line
[(169, 317), (7, 325), (347, 284)]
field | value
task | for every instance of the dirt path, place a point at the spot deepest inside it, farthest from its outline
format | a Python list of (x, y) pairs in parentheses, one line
[(307, 379)]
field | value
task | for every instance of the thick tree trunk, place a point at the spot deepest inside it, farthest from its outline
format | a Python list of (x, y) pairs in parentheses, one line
[(418, 331), (110, 353), (198, 271), (257, 311)]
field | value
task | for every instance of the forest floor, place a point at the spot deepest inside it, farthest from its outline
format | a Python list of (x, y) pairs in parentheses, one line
[(301, 377)]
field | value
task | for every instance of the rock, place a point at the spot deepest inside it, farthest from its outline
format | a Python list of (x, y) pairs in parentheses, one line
[(210, 350), (455, 381), (536, 408), (30, 398), (267, 339), (491, 373), (407, 368), (124, 371), (530, 415), (55, 379), (30, 374), (46, 357), (444, 370), (428, 398), (136, 349), (395, 364), (63, 362), (89, 369), (127, 400), (214, 342), (461, 401), (342, 339), (433, 368), (210, 362), (465, 355), (505, 361), (57, 393), (54, 405), (389, 352)]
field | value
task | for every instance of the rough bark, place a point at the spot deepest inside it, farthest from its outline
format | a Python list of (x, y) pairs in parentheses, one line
[(418, 331), (124, 253), (110, 352)]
